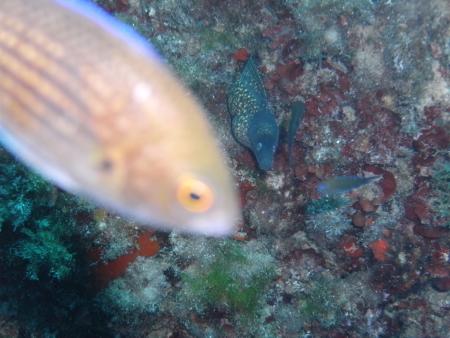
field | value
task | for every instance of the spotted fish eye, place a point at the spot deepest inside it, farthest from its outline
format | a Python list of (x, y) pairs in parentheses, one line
[(194, 195)]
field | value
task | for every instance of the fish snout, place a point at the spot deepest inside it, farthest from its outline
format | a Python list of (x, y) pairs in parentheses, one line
[(217, 224)]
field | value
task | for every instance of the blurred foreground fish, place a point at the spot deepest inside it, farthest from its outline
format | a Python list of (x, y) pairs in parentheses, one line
[(342, 184), (89, 104), (253, 121)]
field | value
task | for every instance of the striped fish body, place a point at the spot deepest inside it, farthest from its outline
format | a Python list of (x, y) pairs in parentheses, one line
[(90, 105), (252, 119)]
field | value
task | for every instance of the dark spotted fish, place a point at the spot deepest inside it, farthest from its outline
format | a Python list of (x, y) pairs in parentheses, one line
[(91, 106), (253, 121)]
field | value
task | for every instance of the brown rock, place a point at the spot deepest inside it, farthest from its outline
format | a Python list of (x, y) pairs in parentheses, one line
[(367, 206), (358, 219), (430, 232), (441, 284)]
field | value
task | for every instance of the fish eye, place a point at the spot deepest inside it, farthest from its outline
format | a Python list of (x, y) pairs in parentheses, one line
[(194, 195)]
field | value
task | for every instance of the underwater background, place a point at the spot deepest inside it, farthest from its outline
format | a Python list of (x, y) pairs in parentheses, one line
[(350, 90)]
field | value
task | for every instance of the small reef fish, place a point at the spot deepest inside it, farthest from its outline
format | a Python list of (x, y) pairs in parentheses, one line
[(297, 113), (253, 121), (341, 184), (90, 105)]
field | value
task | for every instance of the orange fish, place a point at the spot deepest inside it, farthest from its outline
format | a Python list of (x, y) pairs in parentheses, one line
[(90, 105)]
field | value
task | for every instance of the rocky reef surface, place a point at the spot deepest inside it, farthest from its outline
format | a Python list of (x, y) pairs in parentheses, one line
[(374, 77)]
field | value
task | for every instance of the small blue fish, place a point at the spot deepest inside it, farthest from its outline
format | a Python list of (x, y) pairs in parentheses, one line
[(341, 184), (253, 121), (297, 113)]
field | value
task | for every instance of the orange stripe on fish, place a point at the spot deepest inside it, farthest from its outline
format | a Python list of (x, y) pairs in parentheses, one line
[(91, 106)]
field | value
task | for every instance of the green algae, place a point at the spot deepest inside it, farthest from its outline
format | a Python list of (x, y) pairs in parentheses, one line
[(235, 280), (21, 192), (211, 39), (42, 268), (37, 221), (320, 303), (43, 251)]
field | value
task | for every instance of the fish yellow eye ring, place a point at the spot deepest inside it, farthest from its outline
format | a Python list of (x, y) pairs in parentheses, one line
[(194, 195)]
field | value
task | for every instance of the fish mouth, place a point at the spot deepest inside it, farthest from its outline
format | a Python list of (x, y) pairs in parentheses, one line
[(265, 163), (216, 226)]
